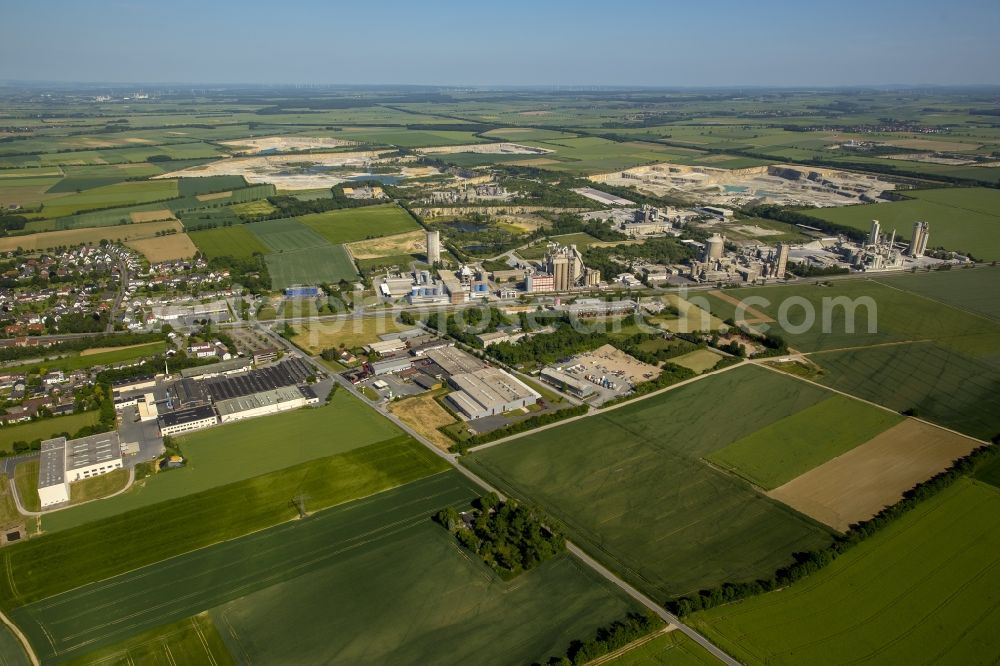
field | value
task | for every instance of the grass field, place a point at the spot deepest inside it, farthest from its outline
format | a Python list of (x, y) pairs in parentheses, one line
[(371, 565), (11, 651), (962, 219), (54, 563), (699, 360), (922, 591), (234, 241), (44, 429), (969, 290), (322, 263), (193, 640), (26, 482), (285, 235), (670, 649), (797, 443), (355, 224), (260, 445), (630, 483), (351, 333), (110, 357), (690, 317)]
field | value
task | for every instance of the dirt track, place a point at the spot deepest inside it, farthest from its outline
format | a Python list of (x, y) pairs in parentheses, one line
[(856, 485)]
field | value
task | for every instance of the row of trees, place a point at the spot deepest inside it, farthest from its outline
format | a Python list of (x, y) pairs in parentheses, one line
[(607, 639), (809, 562), (508, 536)]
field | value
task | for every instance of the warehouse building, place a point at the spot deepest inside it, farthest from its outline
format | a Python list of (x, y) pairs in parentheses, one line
[(391, 365), (562, 381), (488, 392), (188, 419), (454, 361), (265, 402), (63, 461)]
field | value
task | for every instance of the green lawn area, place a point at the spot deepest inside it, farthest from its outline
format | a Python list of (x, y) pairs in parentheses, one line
[(242, 450), (193, 640), (354, 224), (321, 263), (45, 428), (61, 561), (699, 360), (922, 591), (234, 241), (794, 445), (631, 485), (370, 567), (670, 649), (962, 219), (98, 486), (26, 482), (969, 290)]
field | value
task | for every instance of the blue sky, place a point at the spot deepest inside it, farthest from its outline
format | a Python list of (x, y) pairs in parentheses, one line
[(619, 42)]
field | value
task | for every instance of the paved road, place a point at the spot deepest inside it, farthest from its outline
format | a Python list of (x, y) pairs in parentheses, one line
[(575, 550)]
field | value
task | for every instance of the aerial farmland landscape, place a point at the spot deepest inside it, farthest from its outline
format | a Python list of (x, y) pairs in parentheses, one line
[(645, 335)]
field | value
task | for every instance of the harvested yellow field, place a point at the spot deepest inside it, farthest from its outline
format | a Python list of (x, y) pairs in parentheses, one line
[(858, 484), (425, 415), (165, 248), (120, 233), (152, 215), (214, 195), (389, 246), (314, 337), (102, 350), (699, 360)]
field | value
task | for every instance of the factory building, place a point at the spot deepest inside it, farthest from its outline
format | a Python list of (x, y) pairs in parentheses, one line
[(918, 243), (537, 284), (390, 366), (454, 361), (63, 461), (266, 402), (188, 419), (564, 382), (488, 392), (781, 261), (433, 247), (565, 264)]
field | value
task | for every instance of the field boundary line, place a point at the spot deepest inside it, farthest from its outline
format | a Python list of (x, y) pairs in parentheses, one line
[(880, 344)]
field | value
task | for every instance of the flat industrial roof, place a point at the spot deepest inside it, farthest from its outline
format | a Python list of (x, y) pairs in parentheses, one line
[(92, 450), (454, 361), (256, 400), (52, 463), (188, 415), (492, 388), (287, 373)]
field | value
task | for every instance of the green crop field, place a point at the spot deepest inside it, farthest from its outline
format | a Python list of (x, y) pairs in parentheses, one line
[(234, 241), (990, 472), (11, 651), (193, 640), (670, 649), (955, 390), (264, 593), (970, 290), (354, 224), (54, 563), (922, 591), (323, 263), (44, 429), (794, 445), (962, 219), (631, 484), (109, 196), (286, 235), (207, 184), (239, 451)]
